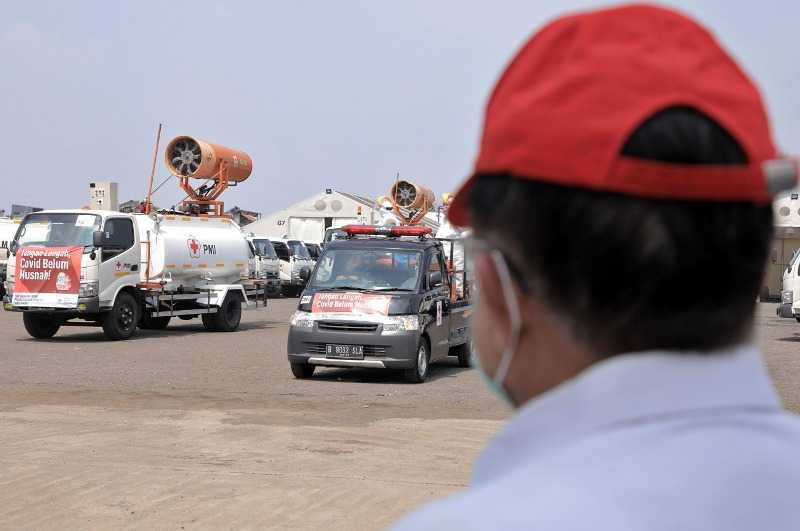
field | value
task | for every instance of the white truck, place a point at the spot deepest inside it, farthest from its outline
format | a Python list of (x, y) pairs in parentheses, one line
[(120, 271), (266, 263), (295, 265), (789, 306), (8, 228)]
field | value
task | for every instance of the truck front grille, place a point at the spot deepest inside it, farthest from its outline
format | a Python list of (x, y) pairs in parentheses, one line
[(346, 326)]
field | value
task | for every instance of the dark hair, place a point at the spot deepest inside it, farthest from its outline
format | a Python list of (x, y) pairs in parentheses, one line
[(628, 273)]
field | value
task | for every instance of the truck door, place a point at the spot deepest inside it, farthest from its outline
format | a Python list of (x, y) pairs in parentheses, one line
[(120, 258), (437, 305)]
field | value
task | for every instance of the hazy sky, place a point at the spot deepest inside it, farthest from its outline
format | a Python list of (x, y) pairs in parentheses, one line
[(321, 94)]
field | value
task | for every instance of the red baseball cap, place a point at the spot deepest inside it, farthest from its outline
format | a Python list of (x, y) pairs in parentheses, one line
[(567, 103)]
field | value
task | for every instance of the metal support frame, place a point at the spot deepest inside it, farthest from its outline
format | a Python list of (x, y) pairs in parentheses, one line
[(207, 203)]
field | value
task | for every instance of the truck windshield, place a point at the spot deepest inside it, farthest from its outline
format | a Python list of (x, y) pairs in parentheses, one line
[(281, 250), (334, 234), (313, 250), (264, 248), (58, 230), (298, 249), (368, 270)]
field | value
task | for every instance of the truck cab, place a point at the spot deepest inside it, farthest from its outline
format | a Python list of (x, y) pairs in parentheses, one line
[(295, 265), (267, 265), (381, 298), (789, 306)]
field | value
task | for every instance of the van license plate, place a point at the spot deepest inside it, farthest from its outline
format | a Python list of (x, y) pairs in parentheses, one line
[(348, 352)]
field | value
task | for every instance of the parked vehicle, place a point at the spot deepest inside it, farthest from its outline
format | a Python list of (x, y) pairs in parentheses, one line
[(295, 265), (333, 233), (8, 228), (267, 265), (120, 271), (314, 250), (790, 289), (382, 298)]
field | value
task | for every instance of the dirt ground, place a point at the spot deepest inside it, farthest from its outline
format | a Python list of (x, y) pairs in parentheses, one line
[(188, 429)]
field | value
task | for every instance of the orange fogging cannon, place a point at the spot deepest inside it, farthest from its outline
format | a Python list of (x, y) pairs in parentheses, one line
[(192, 158), (411, 201)]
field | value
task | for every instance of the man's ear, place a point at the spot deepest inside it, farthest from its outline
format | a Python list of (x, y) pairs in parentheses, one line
[(491, 293)]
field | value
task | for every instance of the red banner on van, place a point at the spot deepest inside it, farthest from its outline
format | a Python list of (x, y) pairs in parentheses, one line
[(351, 302), (47, 277)]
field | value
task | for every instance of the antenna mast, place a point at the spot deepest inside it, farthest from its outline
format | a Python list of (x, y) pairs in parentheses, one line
[(148, 204)]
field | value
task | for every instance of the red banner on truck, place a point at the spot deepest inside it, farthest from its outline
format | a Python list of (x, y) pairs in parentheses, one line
[(351, 302), (47, 277)]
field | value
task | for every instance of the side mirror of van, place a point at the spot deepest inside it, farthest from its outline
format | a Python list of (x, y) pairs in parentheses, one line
[(97, 238), (435, 279)]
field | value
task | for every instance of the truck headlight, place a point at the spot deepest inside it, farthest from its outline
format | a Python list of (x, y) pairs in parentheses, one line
[(399, 324), (88, 289), (787, 297), (302, 320)]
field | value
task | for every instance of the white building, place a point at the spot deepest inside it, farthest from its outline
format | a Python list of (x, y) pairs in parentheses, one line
[(307, 219)]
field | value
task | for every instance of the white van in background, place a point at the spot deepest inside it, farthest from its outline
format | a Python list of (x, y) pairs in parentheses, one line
[(8, 228), (790, 289), (267, 265), (295, 265)]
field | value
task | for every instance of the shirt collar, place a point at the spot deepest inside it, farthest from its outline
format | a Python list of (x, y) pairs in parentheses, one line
[(629, 388)]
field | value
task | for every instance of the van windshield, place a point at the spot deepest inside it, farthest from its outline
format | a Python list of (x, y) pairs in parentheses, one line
[(264, 248), (57, 230), (368, 270), (298, 249)]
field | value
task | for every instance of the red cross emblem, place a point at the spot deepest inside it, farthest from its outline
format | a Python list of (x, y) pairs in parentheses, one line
[(194, 247)]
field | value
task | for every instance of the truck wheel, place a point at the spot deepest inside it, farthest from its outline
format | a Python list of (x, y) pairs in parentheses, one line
[(121, 321), (465, 354), (302, 371), (229, 314), (40, 326), (419, 373), (153, 323)]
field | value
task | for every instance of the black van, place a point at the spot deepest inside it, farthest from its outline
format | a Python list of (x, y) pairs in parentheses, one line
[(382, 298)]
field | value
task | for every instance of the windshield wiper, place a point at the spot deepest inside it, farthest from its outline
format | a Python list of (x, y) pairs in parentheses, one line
[(391, 289), (344, 288)]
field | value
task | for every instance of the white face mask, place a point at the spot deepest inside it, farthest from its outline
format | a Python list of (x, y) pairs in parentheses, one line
[(496, 382)]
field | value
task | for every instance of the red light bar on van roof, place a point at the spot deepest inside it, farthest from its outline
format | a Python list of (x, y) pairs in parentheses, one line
[(372, 230)]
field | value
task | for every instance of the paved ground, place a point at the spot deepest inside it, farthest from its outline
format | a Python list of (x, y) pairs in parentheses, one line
[(188, 429)]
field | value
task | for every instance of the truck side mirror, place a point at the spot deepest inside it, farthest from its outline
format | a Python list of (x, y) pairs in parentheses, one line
[(305, 274), (12, 247), (435, 279), (97, 238)]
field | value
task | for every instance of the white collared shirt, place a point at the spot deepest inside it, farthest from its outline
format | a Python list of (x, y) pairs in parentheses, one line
[(645, 441)]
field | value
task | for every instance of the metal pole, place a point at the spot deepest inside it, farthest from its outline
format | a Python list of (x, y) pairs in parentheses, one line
[(148, 205)]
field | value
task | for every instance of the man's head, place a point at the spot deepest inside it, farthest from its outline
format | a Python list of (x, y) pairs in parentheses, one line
[(637, 218)]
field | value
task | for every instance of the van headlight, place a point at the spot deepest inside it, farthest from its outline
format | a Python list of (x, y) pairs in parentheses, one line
[(88, 289), (400, 324), (302, 320)]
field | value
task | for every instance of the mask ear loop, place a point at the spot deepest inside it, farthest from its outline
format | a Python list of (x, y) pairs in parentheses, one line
[(514, 315)]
